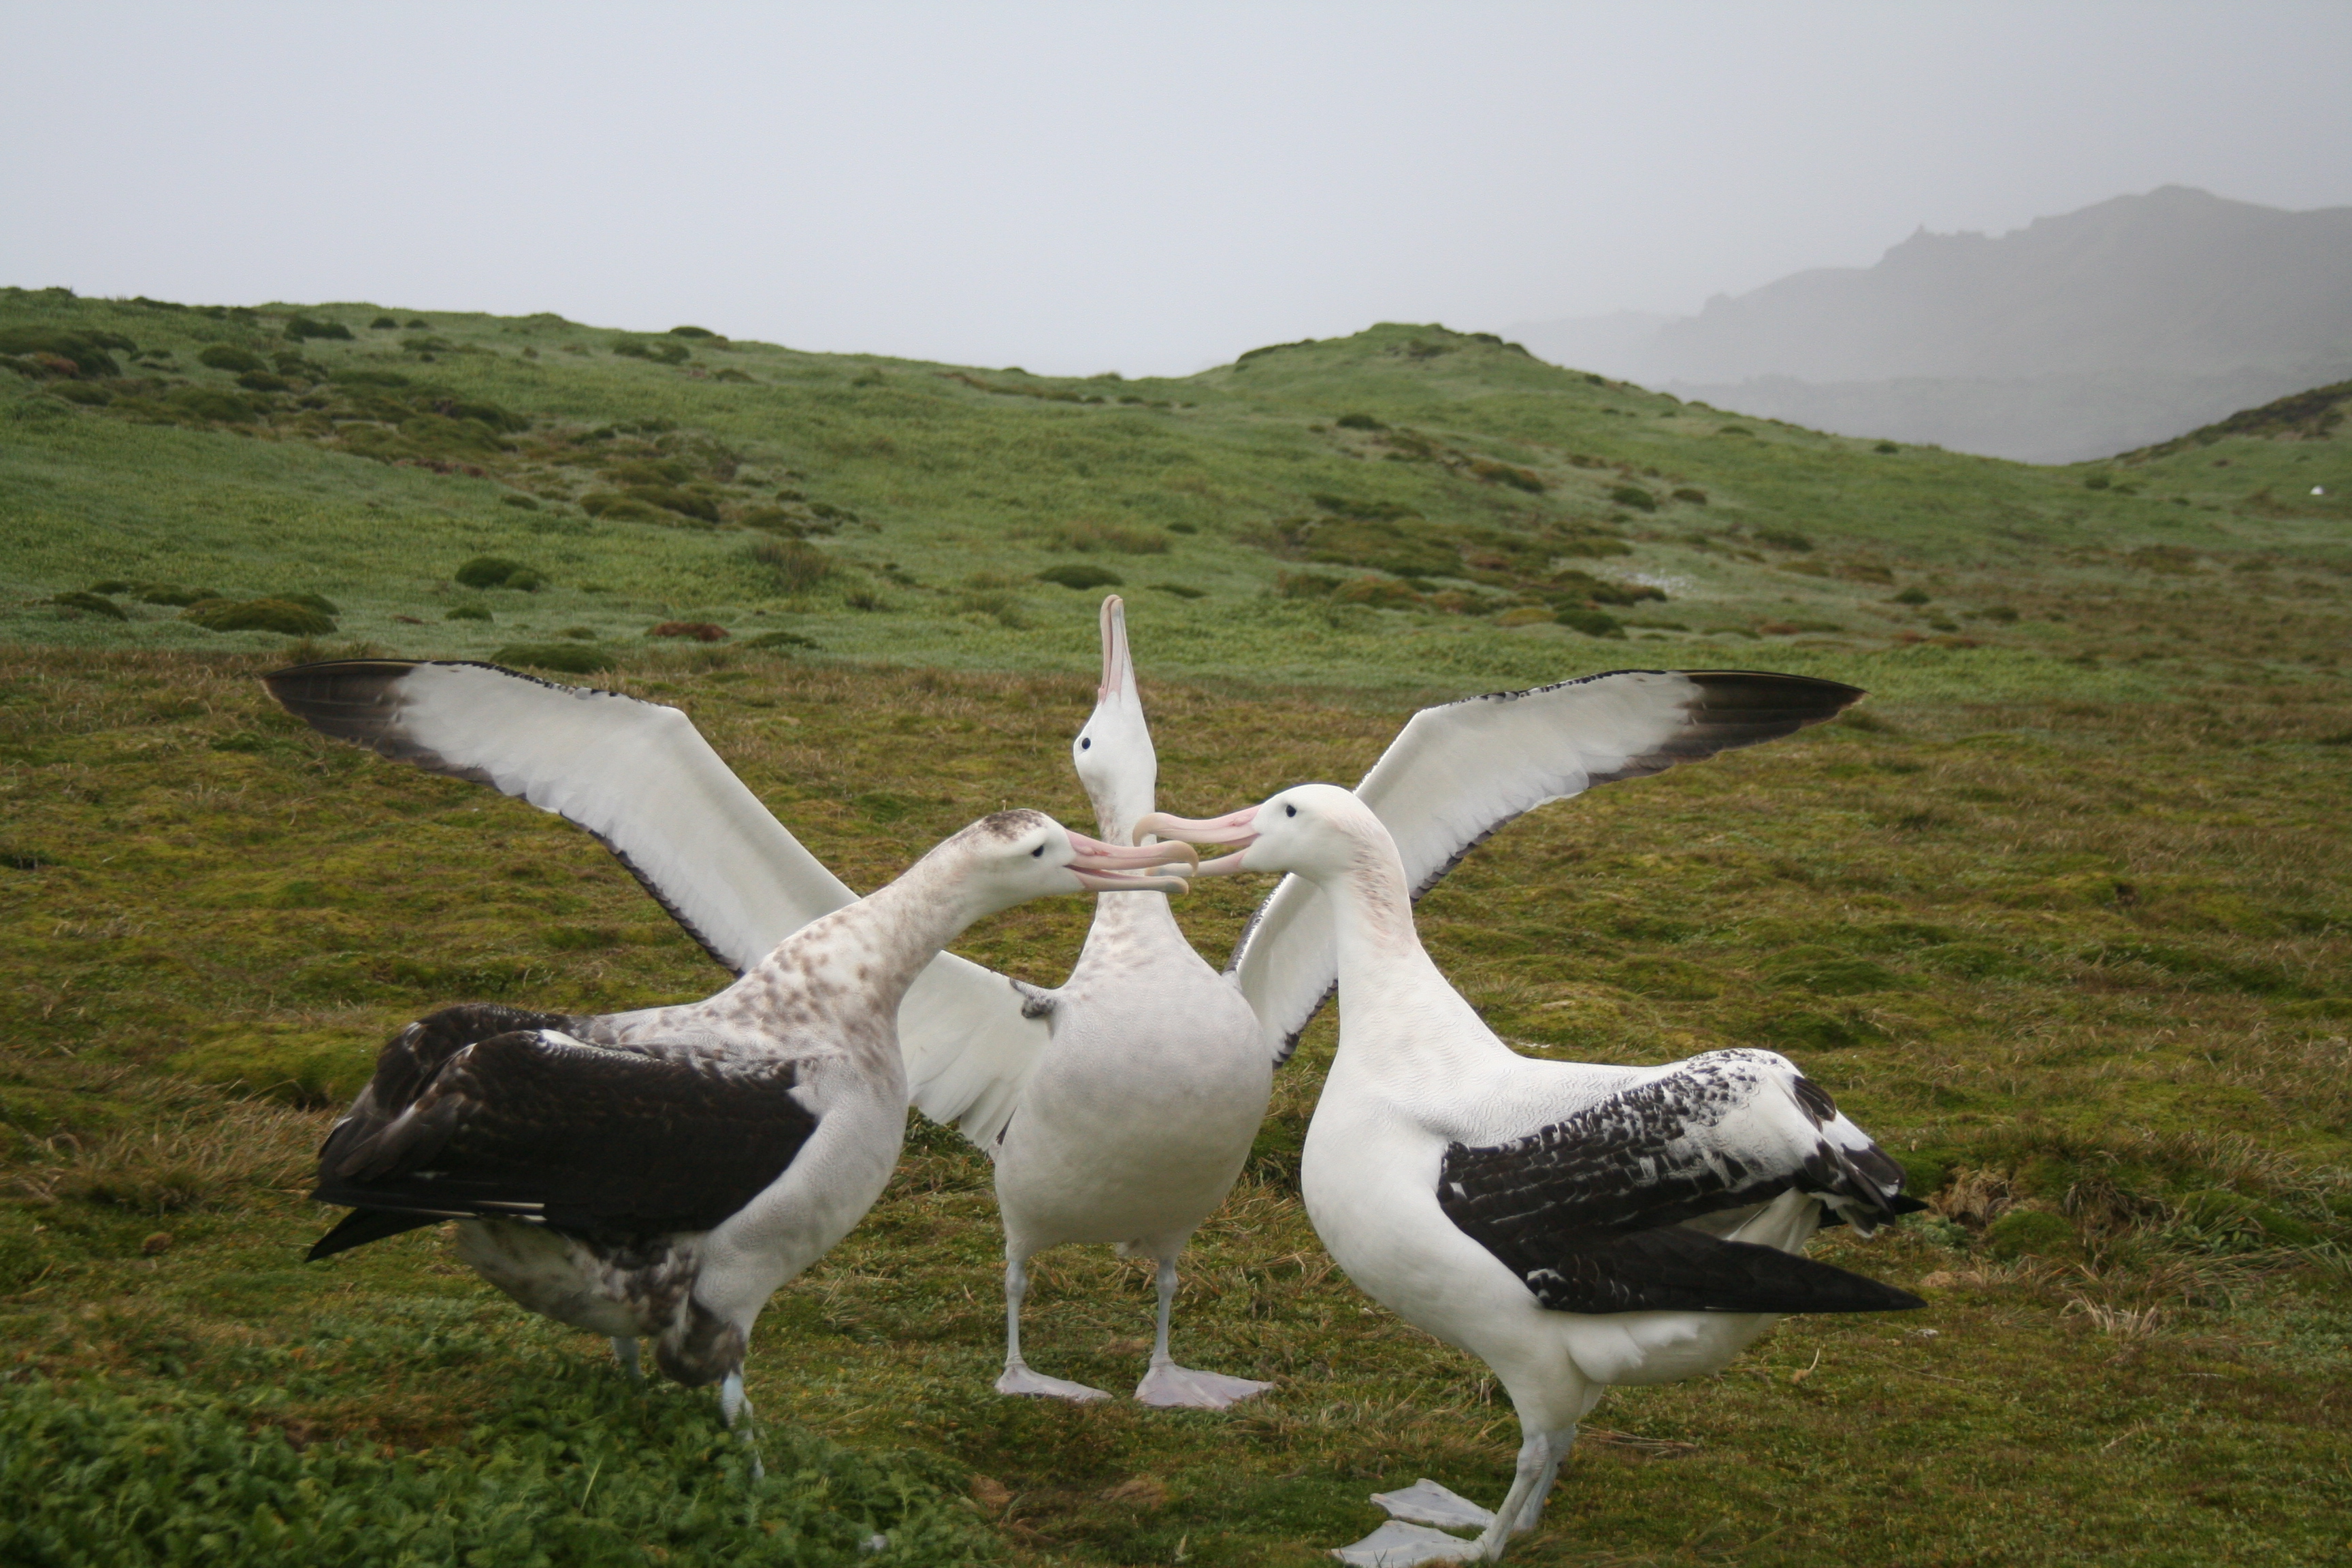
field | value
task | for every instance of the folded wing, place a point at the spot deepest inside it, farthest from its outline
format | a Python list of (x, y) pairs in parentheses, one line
[(533, 1125), (1590, 1210), (1460, 771)]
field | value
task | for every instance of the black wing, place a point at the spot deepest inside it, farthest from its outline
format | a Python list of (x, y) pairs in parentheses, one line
[(1588, 1210), (530, 1126)]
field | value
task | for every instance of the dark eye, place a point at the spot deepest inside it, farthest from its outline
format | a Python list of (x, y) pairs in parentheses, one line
[(1038, 853), (1085, 743), (1289, 810)]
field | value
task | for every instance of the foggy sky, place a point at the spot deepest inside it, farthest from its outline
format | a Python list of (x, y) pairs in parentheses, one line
[(1080, 188)]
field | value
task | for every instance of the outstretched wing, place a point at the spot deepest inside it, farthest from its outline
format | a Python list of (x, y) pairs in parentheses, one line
[(1589, 1210), (1460, 771), (535, 1126), (636, 774), (641, 779)]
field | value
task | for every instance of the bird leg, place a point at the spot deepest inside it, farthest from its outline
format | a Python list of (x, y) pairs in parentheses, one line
[(732, 1402), (624, 1350), (1017, 1377), (1401, 1544), (1166, 1383)]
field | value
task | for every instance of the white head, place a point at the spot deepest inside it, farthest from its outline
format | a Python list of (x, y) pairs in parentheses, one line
[(1319, 831), (1011, 856), (1113, 751)]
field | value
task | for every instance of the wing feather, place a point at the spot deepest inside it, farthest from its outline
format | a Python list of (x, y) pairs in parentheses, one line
[(1590, 1210), (641, 779), (530, 1124), (638, 775), (1460, 771)]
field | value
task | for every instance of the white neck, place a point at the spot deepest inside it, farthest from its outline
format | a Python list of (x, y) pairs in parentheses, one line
[(1397, 1012)]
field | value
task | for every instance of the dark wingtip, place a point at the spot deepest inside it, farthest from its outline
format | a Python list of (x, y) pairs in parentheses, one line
[(350, 699), (360, 1226)]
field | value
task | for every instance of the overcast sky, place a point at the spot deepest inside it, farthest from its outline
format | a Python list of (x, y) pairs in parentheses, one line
[(1090, 187)]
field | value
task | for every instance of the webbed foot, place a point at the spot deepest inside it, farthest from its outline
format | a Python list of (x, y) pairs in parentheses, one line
[(1168, 1384), (1426, 1502), (1399, 1545), (1018, 1379)]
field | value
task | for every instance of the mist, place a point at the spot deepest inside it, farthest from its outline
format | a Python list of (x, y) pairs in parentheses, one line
[(1084, 189)]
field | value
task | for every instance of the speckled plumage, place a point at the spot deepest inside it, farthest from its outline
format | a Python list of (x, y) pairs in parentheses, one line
[(660, 1174)]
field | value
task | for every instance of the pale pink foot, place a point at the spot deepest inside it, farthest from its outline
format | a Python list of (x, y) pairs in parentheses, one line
[(1018, 1379), (1173, 1385)]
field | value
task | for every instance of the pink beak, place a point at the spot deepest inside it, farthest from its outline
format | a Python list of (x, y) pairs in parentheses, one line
[(1110, 867), (1232, 828)]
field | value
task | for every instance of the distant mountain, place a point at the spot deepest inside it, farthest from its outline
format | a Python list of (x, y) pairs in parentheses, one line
[(2113, 327)]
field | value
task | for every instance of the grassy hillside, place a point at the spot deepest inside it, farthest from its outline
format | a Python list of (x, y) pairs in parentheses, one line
[(1408, 507), (2061, 916)]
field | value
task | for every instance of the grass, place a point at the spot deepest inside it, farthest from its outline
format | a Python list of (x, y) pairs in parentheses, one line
[(2060, 915)]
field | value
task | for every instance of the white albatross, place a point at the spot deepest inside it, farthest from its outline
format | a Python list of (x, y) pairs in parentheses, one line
[(660, 1174), (1121, 1106), (1572, 1226)]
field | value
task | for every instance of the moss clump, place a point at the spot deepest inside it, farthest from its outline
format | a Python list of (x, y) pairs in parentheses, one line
[(88, 394), (1509, 474), (683, 502), (1304, 585), (212, 405), (1635, 497), (1912, 596), (698, 631), (1886, 447), (468, 613), (566, 657), (1357, 422), (1591, 623), (497, 572), (281, 615), (384, 324), (793, 565), (2036, 1232), (615, 507), (227, 356), (50, 351), (1692, 494), (694, 333), (299, 327), (1784, 539), (90, 603), (1180, 590), (658, 352), (1080, 575), (526, 503), (263, 380), (778, 640)]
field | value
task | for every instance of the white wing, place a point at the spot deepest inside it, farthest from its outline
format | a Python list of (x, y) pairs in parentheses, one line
[(641, 778), (1459, 772)]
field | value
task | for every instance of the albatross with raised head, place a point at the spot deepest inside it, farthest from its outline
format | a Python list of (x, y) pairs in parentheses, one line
[(1093, 1153)]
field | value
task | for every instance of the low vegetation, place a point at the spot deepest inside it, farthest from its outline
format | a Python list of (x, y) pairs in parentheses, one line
[(2058, 915)]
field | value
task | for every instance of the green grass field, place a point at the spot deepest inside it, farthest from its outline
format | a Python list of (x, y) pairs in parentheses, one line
[(2061, 915)]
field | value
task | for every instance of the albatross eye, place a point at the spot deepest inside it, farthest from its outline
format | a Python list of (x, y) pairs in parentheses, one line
[(1085, 743), (1038, 853), (1288, 809)]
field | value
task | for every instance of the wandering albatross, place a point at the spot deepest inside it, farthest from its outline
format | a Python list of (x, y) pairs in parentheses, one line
[(1093, 1153), (1572, 1226), (660, 1174)]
